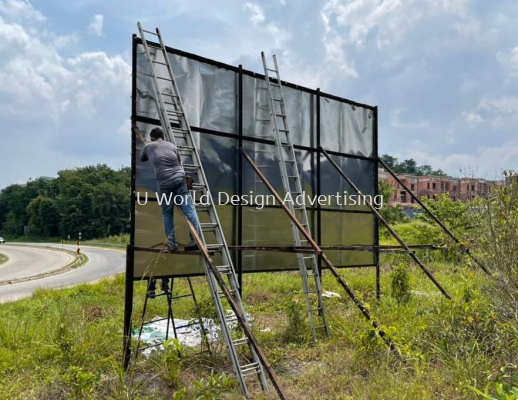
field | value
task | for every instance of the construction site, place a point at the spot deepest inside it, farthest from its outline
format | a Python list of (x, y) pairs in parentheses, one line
[(252, 143)]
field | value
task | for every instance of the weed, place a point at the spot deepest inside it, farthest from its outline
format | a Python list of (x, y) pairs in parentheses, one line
[(400, 284), (169, 362), (296, 328), (80, 382), (214, 387)]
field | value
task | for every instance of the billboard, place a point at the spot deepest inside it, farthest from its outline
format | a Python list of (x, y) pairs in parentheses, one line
[(227, 109)]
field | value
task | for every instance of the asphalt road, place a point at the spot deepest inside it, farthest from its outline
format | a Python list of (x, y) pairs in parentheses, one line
[(24, 262), (102, 263)]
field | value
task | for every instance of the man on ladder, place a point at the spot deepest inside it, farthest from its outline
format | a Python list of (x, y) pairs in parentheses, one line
[(172, 189)]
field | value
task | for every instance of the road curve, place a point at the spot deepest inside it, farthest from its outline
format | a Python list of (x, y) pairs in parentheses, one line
[(102, 262), (24, 262)]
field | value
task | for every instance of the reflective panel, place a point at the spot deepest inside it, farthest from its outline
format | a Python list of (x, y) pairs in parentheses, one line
[(210, 95)]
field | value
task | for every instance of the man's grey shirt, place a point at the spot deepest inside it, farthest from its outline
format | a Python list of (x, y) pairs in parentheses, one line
[(165, 159)]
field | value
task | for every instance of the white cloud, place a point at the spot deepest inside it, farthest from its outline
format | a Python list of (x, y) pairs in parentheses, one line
[(96, 26), (57, 103), (509, 59), (392, 19), (20, 10), (397, 123), (487, 162), (471, 118), (257, 16)]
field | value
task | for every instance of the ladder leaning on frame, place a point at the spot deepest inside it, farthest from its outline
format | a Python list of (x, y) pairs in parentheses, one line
[(170, 109), (291, 182)]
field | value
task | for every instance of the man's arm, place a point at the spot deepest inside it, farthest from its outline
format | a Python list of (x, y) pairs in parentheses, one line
[(143, 155)]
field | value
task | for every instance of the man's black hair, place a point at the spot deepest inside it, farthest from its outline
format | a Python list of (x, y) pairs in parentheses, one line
[(156, 133)]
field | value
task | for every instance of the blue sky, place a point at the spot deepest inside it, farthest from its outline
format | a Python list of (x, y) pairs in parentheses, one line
[(444, 73)]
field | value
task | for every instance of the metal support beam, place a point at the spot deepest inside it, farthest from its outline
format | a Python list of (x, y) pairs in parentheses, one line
[(326, 261), (237, 311), (444, 228), (389, 228)]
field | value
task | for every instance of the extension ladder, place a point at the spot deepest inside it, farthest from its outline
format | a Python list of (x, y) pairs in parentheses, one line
[(171, 111), (292, 185)]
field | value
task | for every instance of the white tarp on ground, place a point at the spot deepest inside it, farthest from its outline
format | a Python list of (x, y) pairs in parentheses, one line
[(188, 332)]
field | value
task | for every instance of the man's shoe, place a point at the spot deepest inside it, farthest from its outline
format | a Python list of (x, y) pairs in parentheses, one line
[(192, 247), (169, 249), (151, 294), (165, 288)]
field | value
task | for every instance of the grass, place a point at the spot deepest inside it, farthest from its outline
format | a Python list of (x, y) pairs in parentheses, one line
[(3, 258), (67, 344)]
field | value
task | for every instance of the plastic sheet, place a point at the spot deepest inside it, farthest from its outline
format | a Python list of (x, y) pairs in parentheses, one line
[(210, 93)]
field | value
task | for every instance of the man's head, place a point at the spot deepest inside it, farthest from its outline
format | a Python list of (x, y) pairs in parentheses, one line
[(156, 134)]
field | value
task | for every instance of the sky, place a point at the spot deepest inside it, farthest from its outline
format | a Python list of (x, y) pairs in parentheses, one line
[(443, 73)]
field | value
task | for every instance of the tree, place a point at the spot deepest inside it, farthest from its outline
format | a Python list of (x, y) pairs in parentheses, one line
[(391, 162), (43, 217), (495, 221)]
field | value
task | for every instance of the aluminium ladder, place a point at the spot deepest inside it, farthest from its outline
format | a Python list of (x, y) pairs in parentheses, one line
[(171, 112), (292, 185)]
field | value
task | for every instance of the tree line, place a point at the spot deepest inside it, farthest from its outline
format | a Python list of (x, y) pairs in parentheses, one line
[(410, 167), (94, 200)]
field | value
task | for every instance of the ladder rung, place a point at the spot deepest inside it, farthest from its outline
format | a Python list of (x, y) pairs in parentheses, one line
[(222, 295), (307, 257), (208, 225), (280, 115), (179, 130), (224, 269), (164, 78), (273, 70), (215, 246), (250, 367), (279, 100), (293, 176), (239, 342), (169, 94), (191, 166), (153, 33), (185, 148), (159, 62)]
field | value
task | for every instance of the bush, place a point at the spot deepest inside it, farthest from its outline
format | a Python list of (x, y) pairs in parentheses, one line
[(400, 284)]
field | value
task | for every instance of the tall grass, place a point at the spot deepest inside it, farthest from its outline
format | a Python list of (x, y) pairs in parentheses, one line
[(67, 344)]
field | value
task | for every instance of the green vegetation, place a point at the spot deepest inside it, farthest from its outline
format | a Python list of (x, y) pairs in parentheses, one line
[(93, 200), (410, 167), (3, 258), (68, 343)]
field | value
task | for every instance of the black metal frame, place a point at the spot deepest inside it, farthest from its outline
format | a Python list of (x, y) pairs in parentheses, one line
[(237, 210)]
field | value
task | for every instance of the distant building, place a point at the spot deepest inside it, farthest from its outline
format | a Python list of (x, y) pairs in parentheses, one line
[(462, 189)]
